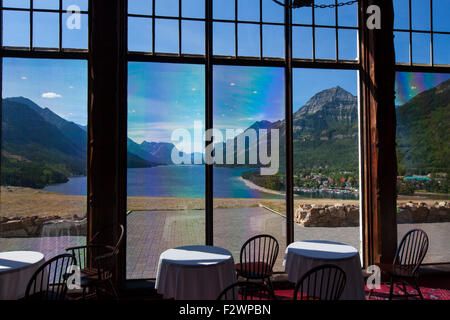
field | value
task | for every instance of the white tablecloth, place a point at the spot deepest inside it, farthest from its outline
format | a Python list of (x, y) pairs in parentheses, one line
[(195, 272), (302, 256), (16, 270)]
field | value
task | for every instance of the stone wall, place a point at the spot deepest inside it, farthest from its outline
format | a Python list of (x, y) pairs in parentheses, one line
[(51, 226), (340, 215)]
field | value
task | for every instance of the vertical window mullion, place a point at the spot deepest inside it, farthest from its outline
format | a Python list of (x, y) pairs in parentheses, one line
[(179, 27), (236, 54), (431, 33), (60, 24), (153, 27), (260, 30), (410, 34), (313, 34), (336, 30), (31, 25)]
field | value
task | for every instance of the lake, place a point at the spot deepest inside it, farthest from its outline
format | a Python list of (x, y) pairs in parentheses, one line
[(181, 181)]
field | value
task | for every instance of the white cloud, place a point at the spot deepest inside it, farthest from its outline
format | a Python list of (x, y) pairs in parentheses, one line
[(71, 87), (24, 78), (51, 95)]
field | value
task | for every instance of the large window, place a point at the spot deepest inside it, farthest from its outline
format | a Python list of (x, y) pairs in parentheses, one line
[(173, 96), (422, 32), (44, 125), (166, 175), (423, 135), (326, 155), (45, 25), (249, 188), (43, 155)]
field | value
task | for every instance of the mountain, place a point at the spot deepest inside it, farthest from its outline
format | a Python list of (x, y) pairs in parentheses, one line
[(325, 132), (40, 148), (423, 132)]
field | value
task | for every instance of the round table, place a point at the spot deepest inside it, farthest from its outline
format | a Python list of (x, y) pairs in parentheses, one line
[(194, 272), (16, 270), (302, 256)]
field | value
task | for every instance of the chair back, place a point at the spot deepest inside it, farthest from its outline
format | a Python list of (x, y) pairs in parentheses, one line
[(49, 282), (325, 282), (258, 256), (245, 290), (412, 250), (105, 237), (100, 245)]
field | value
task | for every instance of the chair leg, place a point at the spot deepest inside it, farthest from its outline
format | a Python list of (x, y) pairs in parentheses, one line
[(391, 289), (418, 289), (405, 290), (269, 284), (370, 294), (116, 296)]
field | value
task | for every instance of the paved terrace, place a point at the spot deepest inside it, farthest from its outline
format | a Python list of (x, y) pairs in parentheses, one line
[(151, 232)]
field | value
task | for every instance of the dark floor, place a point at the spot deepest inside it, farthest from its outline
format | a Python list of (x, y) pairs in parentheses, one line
[(431, 276)]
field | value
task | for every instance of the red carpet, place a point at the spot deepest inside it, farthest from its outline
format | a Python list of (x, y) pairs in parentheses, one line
[(383, 294)]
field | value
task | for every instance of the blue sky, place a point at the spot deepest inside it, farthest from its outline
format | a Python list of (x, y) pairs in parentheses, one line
[(60, 85), (163, 97)]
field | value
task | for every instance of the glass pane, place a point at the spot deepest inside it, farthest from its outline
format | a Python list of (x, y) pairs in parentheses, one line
[(348, 44), (302, 16), (441, 44), (302, 44), (420, 12), (326, 156), (44, 155), (273, 41), (223, 9), (401, 12), (75, 35), (16, 4), (421, 47), (140, 34), (45, 29), (248, 185), (193, 37), (166, 199), (166, 36), (423, 136), (348, 15), (325, 16), (224, 39), (401, 40), (168, 8), (193, 8), (82, 4), (248, 10), (272, 12), (325, 43), (441, 8), (16, 29), (248, 40), (140, 7), (46, 4)]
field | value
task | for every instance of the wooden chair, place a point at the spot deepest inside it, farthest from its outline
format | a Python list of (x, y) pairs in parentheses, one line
[(407, 261), (325, 282), (246, 290), (97, 261), (49, 282), (257, 258)]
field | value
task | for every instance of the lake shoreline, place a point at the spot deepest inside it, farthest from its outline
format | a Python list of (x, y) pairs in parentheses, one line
[(253, 186)]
